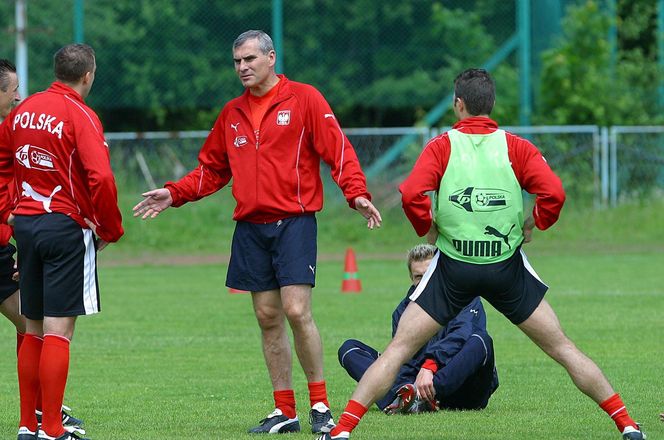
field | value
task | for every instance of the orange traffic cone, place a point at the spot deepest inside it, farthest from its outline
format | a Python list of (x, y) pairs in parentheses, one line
[(234, 291), (351, 282)]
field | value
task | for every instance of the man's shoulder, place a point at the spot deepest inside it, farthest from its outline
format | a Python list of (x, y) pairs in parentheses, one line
[(299, 88), (235, 101)]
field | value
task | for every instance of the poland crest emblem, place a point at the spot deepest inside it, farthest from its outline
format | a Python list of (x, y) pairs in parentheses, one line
[(283, 117)]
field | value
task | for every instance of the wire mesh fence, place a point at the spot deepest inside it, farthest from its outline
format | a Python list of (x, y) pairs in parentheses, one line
[(597, 165), (637, 163)]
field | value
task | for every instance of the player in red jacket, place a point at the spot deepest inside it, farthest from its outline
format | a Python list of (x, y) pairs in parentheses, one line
[(270, 141), (53, 147), (9, 294)]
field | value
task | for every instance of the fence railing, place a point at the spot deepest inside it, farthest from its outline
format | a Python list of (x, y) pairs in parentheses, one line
[(599, 166)]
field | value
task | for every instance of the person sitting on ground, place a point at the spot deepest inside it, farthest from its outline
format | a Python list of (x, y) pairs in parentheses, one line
[(458, 362)]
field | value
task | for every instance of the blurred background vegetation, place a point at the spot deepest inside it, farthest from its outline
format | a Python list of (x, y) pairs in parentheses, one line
[(167, 64)]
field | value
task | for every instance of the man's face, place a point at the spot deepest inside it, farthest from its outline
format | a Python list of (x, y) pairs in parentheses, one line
[(253, 67), (10, 97), (417, 269)]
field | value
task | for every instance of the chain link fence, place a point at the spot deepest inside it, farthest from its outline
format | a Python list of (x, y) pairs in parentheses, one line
[(597, 165), (636, 164)]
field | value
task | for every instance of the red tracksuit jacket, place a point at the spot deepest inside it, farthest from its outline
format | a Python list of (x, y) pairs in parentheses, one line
[(277, 173), (531, 170), (53, 146)]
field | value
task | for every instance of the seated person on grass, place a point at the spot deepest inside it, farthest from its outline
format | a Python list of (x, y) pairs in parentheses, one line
[(458, 362)]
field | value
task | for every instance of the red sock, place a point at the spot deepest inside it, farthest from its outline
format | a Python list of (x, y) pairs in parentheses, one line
[(615, 408), (350, 418), (19, 341), (28, 379), (318, 393), (285, 401), (53, 371), (38, 405)]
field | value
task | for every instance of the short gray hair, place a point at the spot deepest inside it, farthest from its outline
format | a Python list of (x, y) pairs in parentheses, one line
[(264, 41), (420, 252)]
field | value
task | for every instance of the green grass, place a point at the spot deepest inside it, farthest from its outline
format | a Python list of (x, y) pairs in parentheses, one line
[(174, 356)]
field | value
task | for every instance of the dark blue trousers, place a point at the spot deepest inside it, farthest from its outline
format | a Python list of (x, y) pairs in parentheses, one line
[(466, 382)]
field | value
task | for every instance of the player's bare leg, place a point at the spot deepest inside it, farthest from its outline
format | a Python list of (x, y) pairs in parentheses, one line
[(269, 312), (415, 328), (296, 301), (276, 346), (544, 329)]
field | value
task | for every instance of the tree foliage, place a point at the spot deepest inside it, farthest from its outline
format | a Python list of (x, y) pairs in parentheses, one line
[(166, 64), (582, 83)]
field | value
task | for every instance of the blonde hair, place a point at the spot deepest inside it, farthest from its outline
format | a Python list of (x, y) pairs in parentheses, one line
[(420, 252)]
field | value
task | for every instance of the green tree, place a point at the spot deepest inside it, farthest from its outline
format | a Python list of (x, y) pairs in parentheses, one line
[(580, 86)]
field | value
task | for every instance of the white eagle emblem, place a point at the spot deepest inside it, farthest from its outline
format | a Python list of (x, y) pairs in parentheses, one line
[(283, 117)]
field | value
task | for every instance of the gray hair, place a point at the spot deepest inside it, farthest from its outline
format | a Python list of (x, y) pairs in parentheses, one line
[(420, 252), (6, 67), (264, 41)]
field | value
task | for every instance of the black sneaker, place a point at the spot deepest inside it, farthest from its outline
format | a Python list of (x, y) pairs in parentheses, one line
[(631, 433), (66, 436), (25, 434), (67, 419), (276, 423), (343, 435), (320, 418)]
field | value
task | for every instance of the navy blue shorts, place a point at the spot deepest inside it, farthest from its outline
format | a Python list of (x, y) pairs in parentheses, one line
[(7, 285), (268, 256), (512, 287), (57, 263)]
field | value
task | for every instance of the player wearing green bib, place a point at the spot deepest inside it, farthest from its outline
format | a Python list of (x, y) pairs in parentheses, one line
[(478, 172), (483, 198)]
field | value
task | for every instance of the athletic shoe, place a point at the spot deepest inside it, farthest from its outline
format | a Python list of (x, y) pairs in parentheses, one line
[(343, 435), (276, 423), (630, 433), (408, 402), (320, 418), (25, 434), (67, 419), (66, 436)]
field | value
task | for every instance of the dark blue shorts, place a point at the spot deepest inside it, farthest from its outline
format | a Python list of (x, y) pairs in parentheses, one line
[(268, 256), (57, 263), (512, 287), (7, 285)]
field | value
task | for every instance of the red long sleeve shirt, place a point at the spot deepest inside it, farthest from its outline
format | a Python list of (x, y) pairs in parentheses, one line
[(531, 170), (53, 147), (276, 169)]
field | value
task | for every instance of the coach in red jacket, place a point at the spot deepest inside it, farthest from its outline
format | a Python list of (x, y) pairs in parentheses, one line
[(53, 146), (270, 140)]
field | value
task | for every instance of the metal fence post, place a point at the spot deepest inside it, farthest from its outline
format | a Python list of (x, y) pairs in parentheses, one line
[(604, 159), (613, 165)]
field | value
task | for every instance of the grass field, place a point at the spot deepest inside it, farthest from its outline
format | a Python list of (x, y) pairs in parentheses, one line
[(173, 355)]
